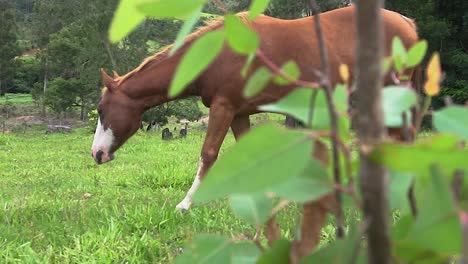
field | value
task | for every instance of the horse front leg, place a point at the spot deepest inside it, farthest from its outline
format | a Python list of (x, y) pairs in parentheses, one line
[(220, 118)]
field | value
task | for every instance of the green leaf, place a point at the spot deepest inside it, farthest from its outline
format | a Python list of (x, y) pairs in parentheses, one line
[(313, 183), (257, 82), (419, 157), (253, 208), (416, 53), (340, 98), (218, 249), (126, 18), (386, 64), (437, 218), (396, 100), (265, 157), (277, 254), (398, 190), (206, 249), (398, 63), (244, 252), (297, 103), (399, 54), (454, 120), (248, 63), (186, 29), (169, 8), (196, 59), (291, 69), (240, 37), (257, 7)]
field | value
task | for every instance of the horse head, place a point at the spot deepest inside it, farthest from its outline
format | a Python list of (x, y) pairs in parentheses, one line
[(119, 119)]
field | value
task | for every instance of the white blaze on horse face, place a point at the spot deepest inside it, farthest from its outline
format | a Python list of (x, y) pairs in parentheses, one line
[(103, 140), (187, 201)]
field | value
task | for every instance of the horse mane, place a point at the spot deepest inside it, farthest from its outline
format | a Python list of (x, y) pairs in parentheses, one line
[(160, 56), (410, 21)]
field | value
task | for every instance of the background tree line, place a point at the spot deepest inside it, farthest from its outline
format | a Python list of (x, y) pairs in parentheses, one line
[(54, 48)]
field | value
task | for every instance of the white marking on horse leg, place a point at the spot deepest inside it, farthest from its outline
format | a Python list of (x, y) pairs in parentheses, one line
[(187, 201)]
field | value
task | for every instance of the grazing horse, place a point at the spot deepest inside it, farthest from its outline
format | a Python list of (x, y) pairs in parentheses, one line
[(125, 99)]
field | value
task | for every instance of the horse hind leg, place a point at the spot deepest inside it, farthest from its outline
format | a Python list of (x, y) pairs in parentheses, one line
[(240, 125), (220, 118)]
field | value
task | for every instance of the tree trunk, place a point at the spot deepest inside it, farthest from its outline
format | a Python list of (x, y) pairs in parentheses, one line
[(2, 93), (370, 129), (44, 88), (82, 108), (109, 52)]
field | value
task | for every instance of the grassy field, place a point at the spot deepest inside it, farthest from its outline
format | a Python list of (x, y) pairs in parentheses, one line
[(57, 206), (16, 98)]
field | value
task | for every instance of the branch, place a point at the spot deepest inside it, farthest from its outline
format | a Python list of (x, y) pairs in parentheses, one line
[(370, 128), (345, 151), (325, 81)]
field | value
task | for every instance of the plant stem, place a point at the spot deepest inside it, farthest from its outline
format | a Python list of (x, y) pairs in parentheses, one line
[(325, 81)]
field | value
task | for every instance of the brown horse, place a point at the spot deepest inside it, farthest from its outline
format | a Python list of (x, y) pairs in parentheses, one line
[(125, 99)]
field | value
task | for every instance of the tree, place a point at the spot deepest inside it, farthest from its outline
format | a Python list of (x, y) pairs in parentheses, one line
[(444, 25), (8, 45), (62, 94), (181, 109)]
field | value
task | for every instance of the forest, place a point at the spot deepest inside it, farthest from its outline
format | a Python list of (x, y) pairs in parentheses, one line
[(54, 48)]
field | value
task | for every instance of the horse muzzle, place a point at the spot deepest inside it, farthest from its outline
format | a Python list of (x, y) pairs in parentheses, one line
[(102, 157)]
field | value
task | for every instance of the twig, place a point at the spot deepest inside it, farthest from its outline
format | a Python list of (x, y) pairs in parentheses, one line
[(332, 112), (345, 151), (277, 70), (256, 238), (408, 138), (351, 192), (422, 113), (282, 204), (311, 108), (357, 247)]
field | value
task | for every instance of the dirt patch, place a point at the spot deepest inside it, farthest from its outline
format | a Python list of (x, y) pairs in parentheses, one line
[(28, 120)]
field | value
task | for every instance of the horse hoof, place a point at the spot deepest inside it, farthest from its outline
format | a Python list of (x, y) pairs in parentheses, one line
[(184, 205)]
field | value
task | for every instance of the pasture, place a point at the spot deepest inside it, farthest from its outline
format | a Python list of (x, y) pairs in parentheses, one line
[(57, 206)]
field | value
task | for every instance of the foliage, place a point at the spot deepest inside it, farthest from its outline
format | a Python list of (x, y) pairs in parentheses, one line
[(258, 168), (26, 75), (443, 25), (182, 109), (62, 94), (8, 45)]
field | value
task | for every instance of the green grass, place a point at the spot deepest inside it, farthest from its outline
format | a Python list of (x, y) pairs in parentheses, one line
[(16, 98), (57, 206)]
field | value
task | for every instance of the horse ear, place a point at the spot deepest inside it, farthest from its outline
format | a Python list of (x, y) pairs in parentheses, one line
[(116, 75), (110, 83)]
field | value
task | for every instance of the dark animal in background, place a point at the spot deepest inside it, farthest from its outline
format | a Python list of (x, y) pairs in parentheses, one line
[(152, 126), (183, 131), (166, 134)]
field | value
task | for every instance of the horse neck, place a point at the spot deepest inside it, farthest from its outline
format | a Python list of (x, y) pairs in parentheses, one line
[(150, 86)]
